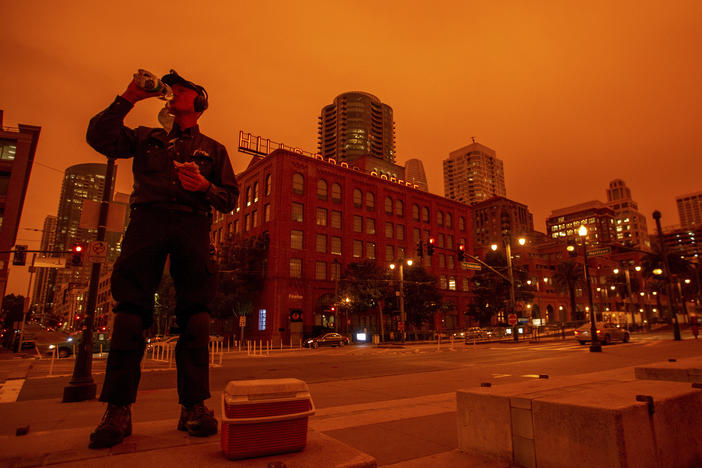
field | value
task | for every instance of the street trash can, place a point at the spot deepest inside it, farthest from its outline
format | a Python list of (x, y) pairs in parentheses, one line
[(264, 417)]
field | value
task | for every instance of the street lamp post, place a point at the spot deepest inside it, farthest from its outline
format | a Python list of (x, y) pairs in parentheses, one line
[(595, 346), (668, 279), (400, 266), (507, 241)]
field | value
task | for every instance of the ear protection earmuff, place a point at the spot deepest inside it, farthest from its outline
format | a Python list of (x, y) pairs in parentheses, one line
[(200, 103)]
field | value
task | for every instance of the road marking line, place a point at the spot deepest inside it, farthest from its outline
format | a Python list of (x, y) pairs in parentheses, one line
[(10, 390), (499, 376)]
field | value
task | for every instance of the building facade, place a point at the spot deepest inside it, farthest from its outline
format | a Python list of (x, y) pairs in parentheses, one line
[(488, 218), (564, 223), (357, 124), (48, 244), (321, 215), (17, 148), (630, 224), (684, 242), (690, 209), (473, 174)]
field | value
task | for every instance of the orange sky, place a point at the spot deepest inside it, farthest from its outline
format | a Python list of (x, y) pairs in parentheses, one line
[(571, 95)]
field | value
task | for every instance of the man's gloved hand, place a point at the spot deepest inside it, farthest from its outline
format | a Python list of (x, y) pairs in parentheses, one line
[(190, 177), (134, 93)]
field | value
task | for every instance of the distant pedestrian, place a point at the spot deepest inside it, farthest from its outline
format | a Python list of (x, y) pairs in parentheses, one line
[(695, 329), (179, 175)]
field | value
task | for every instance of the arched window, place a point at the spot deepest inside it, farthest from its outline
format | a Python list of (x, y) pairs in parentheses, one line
[(322, 189), (248, 196), (268, 184), (357, 198), (298, 183), (425, 214), (255, 192), (399, 208), (370, 201), (449, 220), (461, 223), (415, 212), (388, 205), (336, 193), (440, 218)]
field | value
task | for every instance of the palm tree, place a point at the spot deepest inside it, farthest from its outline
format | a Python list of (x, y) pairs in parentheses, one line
[(567, 276)]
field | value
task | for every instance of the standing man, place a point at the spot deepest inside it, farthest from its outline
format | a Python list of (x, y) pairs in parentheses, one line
[(178, 176)]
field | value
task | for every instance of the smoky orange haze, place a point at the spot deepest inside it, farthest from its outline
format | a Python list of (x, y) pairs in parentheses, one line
[(571, 95)]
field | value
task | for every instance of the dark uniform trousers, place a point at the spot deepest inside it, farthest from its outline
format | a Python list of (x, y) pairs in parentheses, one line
[(153, 234)]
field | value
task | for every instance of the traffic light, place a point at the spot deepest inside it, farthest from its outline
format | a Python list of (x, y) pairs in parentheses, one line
[(420, 249), (572, 251), (461, 252), (20, 257), (430, 246), (77, 255)]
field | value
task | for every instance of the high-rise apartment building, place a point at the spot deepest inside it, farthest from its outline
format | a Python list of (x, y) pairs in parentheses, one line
[(597, 217), (473, 174), (630, 224), (48, 244), (357, 124), (17, 148), (414, 172), (690, 209)]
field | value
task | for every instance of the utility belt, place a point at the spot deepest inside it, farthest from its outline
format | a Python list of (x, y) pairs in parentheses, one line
[(177, 207)]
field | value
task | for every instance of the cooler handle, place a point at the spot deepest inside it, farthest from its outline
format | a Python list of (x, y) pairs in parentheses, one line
[(281, 417)]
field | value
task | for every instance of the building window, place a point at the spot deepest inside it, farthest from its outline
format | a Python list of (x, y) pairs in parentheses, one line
[(336, 193), (247, 222), (440, 218), (321, 243), (425, 214), (357, 249), (322, 189), (255, 192), (336, 219), (248, 196), (296, 239), (320, 270), (267, 212), (357, 223), (466, 285), (321, 216), (336, 245), (268, 184), (298, 184), (399, 232), (296, 268), (442, 260), (8, 149), (370, 250), (449, 241), (416, 234), (448, 221), (442, 240), (399, 208), (254, 218), (261, 319), (297, 211), (415, 212), (357, 198), (236, 226), (388, 205), (370, 226), (461, 223), (388, 230), (389, 253), (442, 282), (370, 201), (335, 271), (450, 261), (452, 283)]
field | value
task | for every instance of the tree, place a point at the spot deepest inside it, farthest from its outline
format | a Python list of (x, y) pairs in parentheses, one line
[(366, 284), (164, 304), (12, 309), (422, 296), (567, 277)]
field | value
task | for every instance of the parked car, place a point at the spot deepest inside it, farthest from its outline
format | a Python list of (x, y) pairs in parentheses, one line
[(66, 347), (327, 339), (606, 333)]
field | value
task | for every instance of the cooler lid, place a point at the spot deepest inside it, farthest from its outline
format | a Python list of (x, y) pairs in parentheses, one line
[(265, 388)]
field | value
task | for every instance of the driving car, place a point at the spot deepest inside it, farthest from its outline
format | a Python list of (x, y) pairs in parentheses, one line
[(65, 347), (327, 339), (606, 333)]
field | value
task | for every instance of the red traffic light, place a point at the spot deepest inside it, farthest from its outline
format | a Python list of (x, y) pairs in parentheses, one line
[(462, 248), (431, 240), (78, 248)]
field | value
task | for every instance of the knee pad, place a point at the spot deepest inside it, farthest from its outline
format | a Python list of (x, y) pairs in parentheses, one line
[(197, 331), (127, 332)]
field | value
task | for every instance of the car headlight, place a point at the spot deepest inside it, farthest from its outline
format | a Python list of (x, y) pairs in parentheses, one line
[(309, 341), (69, 339), (52, 346)]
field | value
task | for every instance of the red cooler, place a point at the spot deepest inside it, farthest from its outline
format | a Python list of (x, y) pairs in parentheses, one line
[(264, 417)]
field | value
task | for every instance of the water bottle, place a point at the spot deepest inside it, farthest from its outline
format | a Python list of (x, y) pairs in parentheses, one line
[(151, 83)]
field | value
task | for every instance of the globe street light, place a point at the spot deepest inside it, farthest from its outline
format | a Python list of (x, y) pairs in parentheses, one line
[(595, 346)]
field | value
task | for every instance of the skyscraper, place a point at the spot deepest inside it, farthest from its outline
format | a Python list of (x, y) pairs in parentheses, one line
[(690, 209), (630, 224), (414, 172), (357, 124), (473, 173), (48, 241)]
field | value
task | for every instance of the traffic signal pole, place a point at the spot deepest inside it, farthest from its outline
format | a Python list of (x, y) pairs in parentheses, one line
[(82, 386)]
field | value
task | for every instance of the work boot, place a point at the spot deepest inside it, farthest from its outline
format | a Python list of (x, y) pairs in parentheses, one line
[(116, 424), (198, 421)]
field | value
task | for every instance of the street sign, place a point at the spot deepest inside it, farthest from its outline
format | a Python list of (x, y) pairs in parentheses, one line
[(471, 266), (599, 252), (242, 321), (512, 319), (97, 251)]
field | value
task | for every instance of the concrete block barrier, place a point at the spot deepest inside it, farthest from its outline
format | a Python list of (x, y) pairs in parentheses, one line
[(570, 422), (683, 370)]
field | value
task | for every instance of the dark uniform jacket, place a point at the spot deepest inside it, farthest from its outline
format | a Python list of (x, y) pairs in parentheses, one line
[(155, 179)]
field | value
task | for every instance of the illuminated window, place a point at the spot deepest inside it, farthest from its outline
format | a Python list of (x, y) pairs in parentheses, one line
[(296, 240), (296, 268), (336, 245), (255, 192), (370, 226), (452, 283), (370, 250), (297, 211), (321, 243), (357, 248), (266, 212), (321, 216)]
